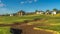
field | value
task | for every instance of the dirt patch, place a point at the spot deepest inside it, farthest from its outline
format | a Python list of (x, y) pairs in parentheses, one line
[(28, 29)]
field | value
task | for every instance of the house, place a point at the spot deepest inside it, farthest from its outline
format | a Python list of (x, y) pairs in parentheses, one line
[(53, 12), (21, 13), (11, 14), (47, 13), (39, 12)]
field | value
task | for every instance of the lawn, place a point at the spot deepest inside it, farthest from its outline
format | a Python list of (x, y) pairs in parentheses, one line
[(8, 19), (11, 19), (5, 30), (55, 28), (54, 24)]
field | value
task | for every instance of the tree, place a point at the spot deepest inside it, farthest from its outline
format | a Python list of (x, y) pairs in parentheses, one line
[(21, 12), (55, 9), (58, 11), (36, 10), (47, 10)]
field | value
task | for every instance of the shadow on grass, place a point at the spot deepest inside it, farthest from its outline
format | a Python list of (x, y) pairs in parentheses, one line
[(15, 31)]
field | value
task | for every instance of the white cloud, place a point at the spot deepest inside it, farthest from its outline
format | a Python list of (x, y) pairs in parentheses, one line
[(4, 11), (30, 1), (26, 1), (2, 5), (0, 1), (22, 2), (35, 0)]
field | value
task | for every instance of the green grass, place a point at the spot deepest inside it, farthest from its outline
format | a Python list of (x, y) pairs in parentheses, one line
[(5, 30), (55, 28), (8, 19), (12, 19), (53, 20)]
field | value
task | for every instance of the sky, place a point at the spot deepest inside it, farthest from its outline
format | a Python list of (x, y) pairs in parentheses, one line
[(13, 6)]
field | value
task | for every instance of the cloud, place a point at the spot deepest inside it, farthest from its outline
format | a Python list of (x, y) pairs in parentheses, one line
[(22, 2), (27, 1), (0, 1), (30, 1), (35, 0), (1, 4), (5, 11)]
